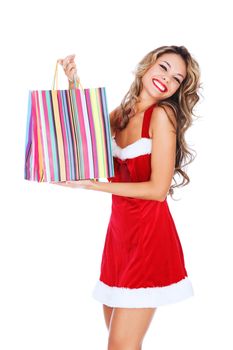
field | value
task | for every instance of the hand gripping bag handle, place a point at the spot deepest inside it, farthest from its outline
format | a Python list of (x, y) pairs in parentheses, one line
[(55, 79)]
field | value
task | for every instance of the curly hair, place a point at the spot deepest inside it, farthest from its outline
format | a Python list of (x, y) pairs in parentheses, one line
[(182, 103)]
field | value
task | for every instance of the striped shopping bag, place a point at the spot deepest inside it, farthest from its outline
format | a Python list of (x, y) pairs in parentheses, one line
[(68, 135)]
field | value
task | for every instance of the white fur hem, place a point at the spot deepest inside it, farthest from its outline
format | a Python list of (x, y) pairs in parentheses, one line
[(142, 297)]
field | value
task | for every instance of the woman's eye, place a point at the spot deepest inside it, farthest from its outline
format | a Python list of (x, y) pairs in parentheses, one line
[(161, 65), (177, 80)]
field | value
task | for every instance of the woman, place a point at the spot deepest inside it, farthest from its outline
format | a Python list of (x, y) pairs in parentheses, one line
[(142, 263)]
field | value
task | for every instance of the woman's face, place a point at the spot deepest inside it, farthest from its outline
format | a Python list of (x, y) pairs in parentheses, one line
[(163, 79)]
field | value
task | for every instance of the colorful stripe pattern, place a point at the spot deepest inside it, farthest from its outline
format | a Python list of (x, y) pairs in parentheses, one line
[(68, 135)]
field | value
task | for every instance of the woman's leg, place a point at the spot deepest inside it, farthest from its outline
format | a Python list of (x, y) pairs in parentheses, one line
[(128, 327), (107, 314)]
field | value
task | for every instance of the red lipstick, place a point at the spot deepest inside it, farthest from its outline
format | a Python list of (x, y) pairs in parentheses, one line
[(158, 87)]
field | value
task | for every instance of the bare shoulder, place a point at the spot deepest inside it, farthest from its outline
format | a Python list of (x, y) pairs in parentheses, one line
[(112, 115), (163, 117)]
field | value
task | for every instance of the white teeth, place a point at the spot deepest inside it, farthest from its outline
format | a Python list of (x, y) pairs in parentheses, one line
[(159, 85)]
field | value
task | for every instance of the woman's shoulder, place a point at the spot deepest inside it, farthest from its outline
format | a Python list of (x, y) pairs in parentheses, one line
[(162, 111), (112, 116), (114, 112)]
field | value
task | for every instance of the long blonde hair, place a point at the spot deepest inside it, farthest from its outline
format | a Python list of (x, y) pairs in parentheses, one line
[(182, 102)]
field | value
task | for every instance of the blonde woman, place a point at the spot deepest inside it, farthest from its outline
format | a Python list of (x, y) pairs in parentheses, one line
[(143, 264)]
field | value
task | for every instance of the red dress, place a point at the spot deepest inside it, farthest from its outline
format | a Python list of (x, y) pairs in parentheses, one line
[(142, 261)]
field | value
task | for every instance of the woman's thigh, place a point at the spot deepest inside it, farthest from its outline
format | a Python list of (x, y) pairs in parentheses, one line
[(128, 327)]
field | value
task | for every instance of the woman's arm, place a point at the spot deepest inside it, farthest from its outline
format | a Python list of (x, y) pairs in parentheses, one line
[(141, 190), (162, 164), (163, 156)]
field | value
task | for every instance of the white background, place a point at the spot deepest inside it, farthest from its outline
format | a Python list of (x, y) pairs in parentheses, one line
[(52, 237)]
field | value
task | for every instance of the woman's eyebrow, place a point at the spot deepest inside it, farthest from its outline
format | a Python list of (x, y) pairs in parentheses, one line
[(170, 67)]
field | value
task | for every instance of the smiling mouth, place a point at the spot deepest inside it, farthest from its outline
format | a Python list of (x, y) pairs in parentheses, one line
[(161, 87)]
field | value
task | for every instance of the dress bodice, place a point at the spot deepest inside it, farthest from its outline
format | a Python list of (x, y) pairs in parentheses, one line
[(133, 162)]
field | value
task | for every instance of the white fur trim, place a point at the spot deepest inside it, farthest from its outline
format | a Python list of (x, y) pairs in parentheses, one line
[(142, 297), (135, 149)]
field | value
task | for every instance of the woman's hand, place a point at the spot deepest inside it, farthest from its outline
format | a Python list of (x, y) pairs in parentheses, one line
[(69, 66), (85, 184)]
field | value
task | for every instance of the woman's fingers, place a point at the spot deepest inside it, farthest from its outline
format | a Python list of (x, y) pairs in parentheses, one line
[(69, 57), (66, 64), (69, 66), (67, 60), (90, 184), (72, 184)]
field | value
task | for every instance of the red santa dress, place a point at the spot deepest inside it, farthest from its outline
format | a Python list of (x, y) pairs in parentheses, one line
[(142, 261)]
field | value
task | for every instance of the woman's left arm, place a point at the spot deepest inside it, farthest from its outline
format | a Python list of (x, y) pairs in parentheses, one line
[(142, 190), (162, 164)]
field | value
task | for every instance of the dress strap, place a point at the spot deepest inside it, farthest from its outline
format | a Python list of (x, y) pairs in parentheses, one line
[(146, 121)]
